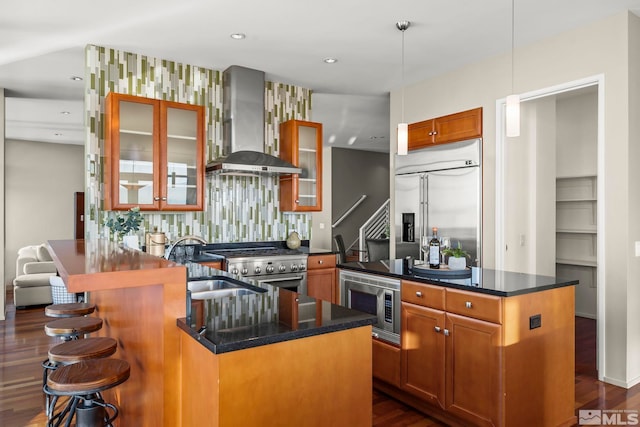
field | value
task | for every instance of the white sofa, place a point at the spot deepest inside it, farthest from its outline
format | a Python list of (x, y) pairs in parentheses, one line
[(34, 267)]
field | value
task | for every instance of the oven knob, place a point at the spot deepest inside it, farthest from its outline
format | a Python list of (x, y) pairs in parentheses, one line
[(234, 271), (269, 269), (257, 270), (294, 267), (302, 267), (244, 271), (282, 268)]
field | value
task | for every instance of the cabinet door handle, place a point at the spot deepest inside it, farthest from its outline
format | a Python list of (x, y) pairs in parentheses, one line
[(164, 199), (419, 294), (375, 334), (446, 332), (437, 329), (156, 198), (434, 132), (321, 262), (468, 304), (297, 201)]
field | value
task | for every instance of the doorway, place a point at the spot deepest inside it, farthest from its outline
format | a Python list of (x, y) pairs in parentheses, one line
[(550, 192)]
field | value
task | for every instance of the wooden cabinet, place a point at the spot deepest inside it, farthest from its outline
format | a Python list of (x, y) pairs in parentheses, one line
[(154, 153), (452, 360), (446, 129), (386, 362), (321, 278), (213, 264), (423, 352), (483, 359), (301, 145), (473, 350)]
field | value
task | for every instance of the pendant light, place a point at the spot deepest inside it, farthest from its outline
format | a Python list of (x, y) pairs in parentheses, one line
[(403, 127), (513, 100)]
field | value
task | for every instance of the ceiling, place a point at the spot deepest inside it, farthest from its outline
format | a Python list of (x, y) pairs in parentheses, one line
[(42, 46)]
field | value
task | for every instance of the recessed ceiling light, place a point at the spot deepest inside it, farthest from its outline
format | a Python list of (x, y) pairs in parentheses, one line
[(66, 113), (330, 60), (58, 134), (238, 36), (76, 78)]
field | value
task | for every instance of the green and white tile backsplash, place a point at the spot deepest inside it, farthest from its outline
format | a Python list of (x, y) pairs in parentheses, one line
[(237, 209)]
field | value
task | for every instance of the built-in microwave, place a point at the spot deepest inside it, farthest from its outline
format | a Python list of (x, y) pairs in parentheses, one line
[(376, 295)]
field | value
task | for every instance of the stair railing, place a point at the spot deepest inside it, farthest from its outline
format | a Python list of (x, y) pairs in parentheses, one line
[(374, 227), (348, 212)]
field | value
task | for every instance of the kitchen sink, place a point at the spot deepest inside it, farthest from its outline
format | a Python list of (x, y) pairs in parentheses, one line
[(220, 288)]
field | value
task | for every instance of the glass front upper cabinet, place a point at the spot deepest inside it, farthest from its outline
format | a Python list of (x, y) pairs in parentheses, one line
[(154, 154), (301, 145)]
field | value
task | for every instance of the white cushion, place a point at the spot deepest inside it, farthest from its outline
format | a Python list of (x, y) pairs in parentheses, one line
[(39, 267), (43, 253), (32, 280)]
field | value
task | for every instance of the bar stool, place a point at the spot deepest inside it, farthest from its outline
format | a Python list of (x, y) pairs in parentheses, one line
[(74, 309), (83, 382), (74, 351), (71, 328)]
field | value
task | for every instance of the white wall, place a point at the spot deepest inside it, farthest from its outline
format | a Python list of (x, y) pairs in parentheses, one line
[(628, 245), (321, 236), (599, 48), (41, 180), (3, 308)]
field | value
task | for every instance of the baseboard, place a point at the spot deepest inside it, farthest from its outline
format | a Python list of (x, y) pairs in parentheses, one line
[(587, 315), (622, 383)]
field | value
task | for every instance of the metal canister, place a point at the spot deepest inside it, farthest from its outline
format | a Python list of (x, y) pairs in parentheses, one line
[(155, 243)]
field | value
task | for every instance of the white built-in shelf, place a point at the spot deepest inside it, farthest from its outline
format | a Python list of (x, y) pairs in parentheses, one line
[(580, 262), (577, 230), (136, 132), (307, 150), (307, 196), (307, 179), (586, 199), (190, 138)]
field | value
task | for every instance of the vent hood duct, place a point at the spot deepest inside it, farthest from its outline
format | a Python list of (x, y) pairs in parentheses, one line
[(243, 127)]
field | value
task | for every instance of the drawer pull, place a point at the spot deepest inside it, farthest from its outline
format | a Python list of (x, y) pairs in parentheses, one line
[(321, 262), (446, 332), (468, 304), (437, 328), (419, 294)]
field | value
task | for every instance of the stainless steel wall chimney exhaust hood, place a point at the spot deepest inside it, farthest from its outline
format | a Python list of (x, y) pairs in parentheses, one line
[(243, 127)]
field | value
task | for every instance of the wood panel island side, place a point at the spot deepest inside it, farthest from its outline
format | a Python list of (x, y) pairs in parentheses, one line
[(139, 297)]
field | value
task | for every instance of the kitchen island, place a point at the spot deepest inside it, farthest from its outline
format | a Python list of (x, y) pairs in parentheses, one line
[(477, 347), (286, 372)]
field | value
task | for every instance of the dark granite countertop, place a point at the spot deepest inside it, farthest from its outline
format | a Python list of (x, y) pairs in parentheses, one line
[(256, 319), (482, 280), (208, 252)]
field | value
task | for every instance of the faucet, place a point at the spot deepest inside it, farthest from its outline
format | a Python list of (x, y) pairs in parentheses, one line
[(169, 250)]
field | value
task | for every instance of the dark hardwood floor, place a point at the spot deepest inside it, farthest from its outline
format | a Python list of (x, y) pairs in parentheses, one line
[(24, 347)]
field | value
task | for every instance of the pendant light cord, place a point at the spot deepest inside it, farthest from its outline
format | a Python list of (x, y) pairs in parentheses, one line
[(402, 110), (513, 37)]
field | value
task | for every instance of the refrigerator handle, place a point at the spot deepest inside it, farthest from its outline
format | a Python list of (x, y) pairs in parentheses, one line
[(424, 205)]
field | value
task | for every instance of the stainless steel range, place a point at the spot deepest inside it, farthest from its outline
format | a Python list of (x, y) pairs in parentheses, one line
[(275, 266)]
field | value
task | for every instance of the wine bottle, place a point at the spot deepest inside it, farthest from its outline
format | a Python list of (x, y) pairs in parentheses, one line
[(434, 250)]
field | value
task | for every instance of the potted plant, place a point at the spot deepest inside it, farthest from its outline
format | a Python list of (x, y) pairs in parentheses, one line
[(122, 227), (457, 257)]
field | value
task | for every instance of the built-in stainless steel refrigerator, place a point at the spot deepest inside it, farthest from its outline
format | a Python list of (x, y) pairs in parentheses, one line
[(441, 187)]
